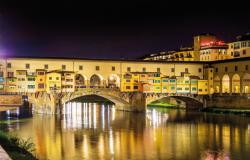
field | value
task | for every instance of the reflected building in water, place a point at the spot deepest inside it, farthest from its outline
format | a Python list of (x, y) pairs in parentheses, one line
[(97, 131)]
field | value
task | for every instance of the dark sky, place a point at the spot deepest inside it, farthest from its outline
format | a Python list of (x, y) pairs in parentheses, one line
[(120, 29)]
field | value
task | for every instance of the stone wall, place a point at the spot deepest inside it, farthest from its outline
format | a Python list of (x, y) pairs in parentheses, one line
[(11, 100), (229, 101)]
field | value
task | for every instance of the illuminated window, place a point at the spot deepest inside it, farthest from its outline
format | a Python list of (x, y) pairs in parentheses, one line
[(27, 66), (46, 66), (113, 68)]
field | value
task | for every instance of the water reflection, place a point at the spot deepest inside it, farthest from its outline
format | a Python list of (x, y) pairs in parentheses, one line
[(98, 131)]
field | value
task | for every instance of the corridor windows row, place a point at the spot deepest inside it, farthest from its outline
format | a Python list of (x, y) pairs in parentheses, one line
[(235, 69)]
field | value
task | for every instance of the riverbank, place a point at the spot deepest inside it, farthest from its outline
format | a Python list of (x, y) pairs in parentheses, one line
[(237, 111), (16, 148)]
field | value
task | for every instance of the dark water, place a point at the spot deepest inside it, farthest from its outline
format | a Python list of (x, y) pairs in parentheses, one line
[(94, 131)]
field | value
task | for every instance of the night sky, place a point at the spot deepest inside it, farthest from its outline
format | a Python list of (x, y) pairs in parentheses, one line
[(121, 29)]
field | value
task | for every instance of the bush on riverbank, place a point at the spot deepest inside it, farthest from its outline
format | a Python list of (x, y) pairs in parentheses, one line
[(17, 148)]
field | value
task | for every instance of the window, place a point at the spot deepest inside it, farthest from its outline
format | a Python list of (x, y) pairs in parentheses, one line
[(178, 89), (246, 67), (80, 68), (40, 85), (200, 90), (158, 70), (10, 74), (186, 89), (57, 78), (31, 79), (193, 89), (232, 53), (50, 78), (199, 70), (135, 87), (1, 74), (164, 87), (128, 69), (216, 70), (225, 69), (31, 86), (8, 65), (143, 69), (40, 73), (113, 68), (172, 70), (63, 67), (186, 70), (97, 68), (127, 87), (244, 52), (211, 70), (164, 80), (172, 88), (172, 80), (46, 66), (236, 68), (128, 80), (27, 66)]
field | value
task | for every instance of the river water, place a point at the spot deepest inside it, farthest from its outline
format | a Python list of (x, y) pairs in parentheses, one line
[(97, 131)]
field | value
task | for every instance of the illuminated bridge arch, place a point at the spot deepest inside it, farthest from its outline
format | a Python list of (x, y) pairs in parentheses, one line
[(191, 102)]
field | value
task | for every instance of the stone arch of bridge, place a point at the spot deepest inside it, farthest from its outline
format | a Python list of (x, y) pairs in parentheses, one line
[(191, 102), (119, 102)]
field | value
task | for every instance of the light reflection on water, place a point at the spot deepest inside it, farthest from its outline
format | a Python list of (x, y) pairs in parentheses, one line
[(98, 131)]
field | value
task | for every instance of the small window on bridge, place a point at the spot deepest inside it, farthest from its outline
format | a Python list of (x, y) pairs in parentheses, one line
[(113, 68), (80, 68), (97, 68)]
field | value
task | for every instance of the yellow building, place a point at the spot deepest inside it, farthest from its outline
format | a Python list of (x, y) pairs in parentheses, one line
[(172, 85), (183, 85), (202, 87), (165, 84), (21, 82), (157, 82), (53, 82), (40, 80), (127, 83), (68, 81), (184, 54)]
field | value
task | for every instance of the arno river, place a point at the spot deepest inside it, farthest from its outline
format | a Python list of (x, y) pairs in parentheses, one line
[(95, 131)]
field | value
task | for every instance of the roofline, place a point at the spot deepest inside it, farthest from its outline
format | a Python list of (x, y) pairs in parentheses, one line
[(89, 59), (229, 60)]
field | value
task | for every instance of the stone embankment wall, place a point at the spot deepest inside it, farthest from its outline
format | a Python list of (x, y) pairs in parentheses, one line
[(230, 101), (10, 100)]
